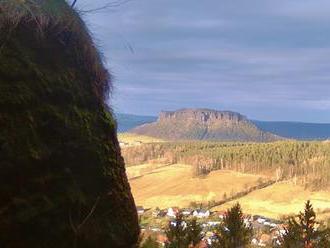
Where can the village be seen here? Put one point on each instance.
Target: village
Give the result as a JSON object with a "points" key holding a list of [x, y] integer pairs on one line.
{"points": [[267, 232]]}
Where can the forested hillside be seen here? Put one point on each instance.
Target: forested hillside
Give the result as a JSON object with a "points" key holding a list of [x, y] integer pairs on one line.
{"points": [[308, 163]]}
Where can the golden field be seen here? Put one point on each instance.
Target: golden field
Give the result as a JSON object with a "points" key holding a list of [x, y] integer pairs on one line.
{"points": [[155, 185], [174, 185], [282, 199], [159, 185], [132, 138]]}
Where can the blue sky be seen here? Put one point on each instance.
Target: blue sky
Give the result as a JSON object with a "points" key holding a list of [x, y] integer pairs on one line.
{"points": [[269, 60]]}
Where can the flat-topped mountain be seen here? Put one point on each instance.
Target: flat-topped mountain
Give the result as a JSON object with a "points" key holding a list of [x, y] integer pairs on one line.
{"points": [[204, 124]]}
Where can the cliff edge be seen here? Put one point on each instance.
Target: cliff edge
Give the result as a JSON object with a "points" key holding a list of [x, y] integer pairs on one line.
{"points": [[204, 124]]}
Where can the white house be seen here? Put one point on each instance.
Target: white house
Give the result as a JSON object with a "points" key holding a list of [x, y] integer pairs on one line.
{"points": [[261, 220], [186, 211], [213, 223], [183, 224], [140, 210], [172, 212], [200, 213]]}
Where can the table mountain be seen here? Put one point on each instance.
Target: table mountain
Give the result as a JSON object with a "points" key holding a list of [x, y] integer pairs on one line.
{"points": [[204, 124]]}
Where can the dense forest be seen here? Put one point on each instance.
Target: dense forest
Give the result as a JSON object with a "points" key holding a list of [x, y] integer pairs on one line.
{"points": [[307, 163]]}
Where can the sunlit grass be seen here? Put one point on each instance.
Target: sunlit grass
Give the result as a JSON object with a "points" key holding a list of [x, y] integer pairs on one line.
{"points": [[133, 138]]}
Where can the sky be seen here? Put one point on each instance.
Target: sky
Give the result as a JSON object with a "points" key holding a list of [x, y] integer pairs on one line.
{"points": [[267, 59]]}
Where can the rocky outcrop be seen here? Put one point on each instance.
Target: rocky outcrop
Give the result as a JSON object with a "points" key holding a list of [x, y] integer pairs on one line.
{"points": [[62, 176], [202, 115], [204, 124]]}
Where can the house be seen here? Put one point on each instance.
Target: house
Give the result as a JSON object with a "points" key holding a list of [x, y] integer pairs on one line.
{"points": [[123, 144], [265, 240], [213, 223], [254, 241], [155, 229], [172, 212], [261, 220], [140, 210], [210, 238], [247, 220], [183, 224], [281, 230], [221, 214], [159, 212], [162, 239], [256, 217], [186, 211], [201, 213]]}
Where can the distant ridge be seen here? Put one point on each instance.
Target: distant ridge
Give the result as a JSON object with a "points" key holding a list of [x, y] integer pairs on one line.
{"points": [[287, 129], [129, 121], [296, 130], [204, 124]]}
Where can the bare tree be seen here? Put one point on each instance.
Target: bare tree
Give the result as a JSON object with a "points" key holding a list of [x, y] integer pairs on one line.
{"points": [[73, 3], [113, 4]]}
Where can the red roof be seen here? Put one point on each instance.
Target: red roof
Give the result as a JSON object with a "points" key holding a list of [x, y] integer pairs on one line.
{"points": [[161, 238]]}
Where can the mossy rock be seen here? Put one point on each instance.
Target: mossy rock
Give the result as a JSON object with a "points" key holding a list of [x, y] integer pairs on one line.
{"points": [[63, 181]]}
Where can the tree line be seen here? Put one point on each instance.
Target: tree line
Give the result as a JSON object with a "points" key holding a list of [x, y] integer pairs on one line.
{"points": [[306, 162]]}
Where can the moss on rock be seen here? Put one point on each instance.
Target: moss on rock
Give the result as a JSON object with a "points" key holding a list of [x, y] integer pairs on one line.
{"points": [[63, 181]]}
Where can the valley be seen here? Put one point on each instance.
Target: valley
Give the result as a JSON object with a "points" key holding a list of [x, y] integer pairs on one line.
{"points": [[165, 176], [174, 186]]}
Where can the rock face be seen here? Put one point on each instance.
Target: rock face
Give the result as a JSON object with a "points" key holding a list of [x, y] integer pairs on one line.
{"points": [[63, 181], [204, 124]]}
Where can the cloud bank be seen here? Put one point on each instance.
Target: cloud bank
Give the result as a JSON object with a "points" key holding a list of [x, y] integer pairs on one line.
{"points": [[266, 59]]}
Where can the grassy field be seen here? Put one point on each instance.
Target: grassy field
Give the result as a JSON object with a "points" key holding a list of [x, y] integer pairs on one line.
{"points": [[159, 185], [282, 199], [174, 185], [133, 138], [155, 185]]}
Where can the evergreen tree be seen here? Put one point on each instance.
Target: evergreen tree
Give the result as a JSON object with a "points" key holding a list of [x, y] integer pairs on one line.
{"points": [[177, 233], [302, 231], [194, 232], [233, 232], [293, 234], [307, 222]]}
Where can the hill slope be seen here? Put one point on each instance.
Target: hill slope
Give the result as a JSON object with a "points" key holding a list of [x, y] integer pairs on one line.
{"points": [[178, 187], [204, 124]]}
